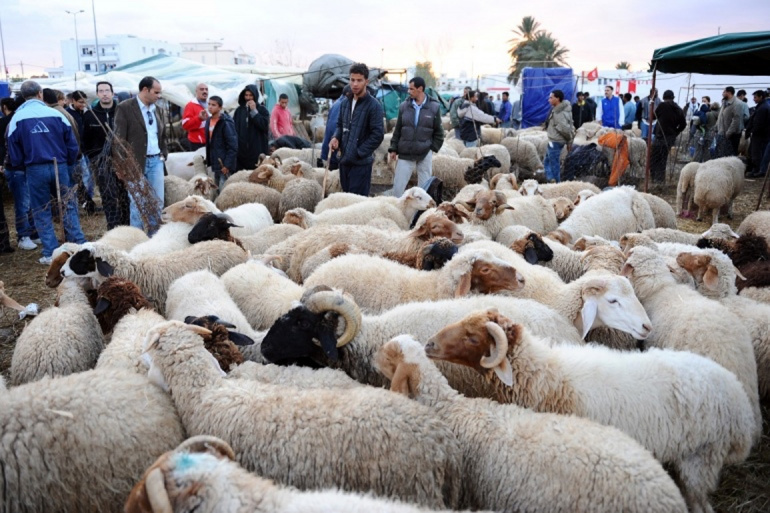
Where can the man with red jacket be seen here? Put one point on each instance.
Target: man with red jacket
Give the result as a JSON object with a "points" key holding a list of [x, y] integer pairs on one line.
{"points": [[194, 118]]}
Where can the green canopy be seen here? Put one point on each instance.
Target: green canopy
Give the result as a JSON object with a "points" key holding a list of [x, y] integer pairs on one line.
{"points": [[740, 53]]}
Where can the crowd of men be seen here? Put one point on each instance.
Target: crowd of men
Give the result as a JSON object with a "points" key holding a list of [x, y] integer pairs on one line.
{"points": [[55, 145]]}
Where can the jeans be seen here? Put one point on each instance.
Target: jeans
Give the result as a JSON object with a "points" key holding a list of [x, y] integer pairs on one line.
{"points": [[356, 179], [17, 182], [765, 161], [153, 172], [471, 144], [113, 192], [457, 133], [42, 186], [551, 162], [405, 168], [645, 127], [507, 124]]}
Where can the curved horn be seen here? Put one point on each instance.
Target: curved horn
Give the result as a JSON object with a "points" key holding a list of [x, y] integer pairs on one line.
{"points": [[204, 443], [155, 487], [501, 346], [334, 301]]}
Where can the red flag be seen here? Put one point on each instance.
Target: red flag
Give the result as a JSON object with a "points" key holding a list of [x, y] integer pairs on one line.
{"points": [[593, 75], [617, 87], [632, 86]]}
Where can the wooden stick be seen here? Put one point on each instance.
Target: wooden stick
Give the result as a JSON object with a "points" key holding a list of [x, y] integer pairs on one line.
{"points": [[58, 194]]}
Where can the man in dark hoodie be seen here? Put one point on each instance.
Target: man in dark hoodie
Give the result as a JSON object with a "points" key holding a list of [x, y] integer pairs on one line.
{"points": [[96, 123], [251, 124]]}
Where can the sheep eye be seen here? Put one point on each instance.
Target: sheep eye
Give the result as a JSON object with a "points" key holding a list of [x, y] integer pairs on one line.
{"points": [[612, 301], [472, 341]]}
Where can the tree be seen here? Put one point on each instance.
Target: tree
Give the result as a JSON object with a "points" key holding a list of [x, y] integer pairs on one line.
{"points": [[534, 48], [425, 70], [623, 65]]}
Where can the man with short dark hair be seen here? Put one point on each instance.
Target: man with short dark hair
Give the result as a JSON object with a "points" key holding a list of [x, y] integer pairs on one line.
{"points": [[758, 128], [591, 105], [560, 131], [417, 135], [629, 111], [360, 131], [221, 142], [609, 112], [194, 118], [38, 136], [670, 123], [506, 109], [280, 118], [97, 123], [643, 112], [729, 124], [581, 111], [140, 125]]}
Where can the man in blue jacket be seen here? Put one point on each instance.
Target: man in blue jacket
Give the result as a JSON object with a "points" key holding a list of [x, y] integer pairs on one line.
{"points": [[506, 109], [610, 112], [331, 128], [37, 135], [359, 132]]}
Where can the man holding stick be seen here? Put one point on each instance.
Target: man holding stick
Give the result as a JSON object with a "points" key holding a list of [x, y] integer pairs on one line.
{"points": [[41, 141]]}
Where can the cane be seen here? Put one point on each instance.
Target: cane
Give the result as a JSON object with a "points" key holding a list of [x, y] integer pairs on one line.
{"points": [[326, 172], [58, 192]]}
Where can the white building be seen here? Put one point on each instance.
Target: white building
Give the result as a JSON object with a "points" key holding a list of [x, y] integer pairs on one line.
{"points": [[492, 84], [113, 51]]}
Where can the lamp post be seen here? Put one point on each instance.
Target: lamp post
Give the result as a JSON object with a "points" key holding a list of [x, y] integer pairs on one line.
{"points": [[5, 66], [96, 38], [77, 43]]}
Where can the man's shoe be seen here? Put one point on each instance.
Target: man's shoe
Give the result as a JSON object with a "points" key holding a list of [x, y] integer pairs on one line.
{"points": [[45, 260], [26, 243], [37, 240]]}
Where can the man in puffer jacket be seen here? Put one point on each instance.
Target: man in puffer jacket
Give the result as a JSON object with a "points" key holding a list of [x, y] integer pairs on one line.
{"points": [[360, 130], [560, 130]]}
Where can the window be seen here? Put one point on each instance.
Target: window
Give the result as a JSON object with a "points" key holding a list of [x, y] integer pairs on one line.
{"points": [[144, 49], [88, 67]]}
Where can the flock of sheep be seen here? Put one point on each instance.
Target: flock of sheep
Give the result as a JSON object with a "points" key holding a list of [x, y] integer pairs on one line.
{"points": [[281, 346]]}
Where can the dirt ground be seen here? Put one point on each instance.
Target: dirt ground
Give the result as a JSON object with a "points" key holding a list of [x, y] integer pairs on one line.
{"points": [[743, 489]]}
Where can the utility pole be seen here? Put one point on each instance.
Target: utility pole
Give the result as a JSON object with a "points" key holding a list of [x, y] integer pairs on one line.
{"points": [[96, 38], [2, 43], [77, 43], [21, 64]]}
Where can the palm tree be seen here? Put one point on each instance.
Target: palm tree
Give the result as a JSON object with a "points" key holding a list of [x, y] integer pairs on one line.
{"points": [[623, 65], [542, 51]]}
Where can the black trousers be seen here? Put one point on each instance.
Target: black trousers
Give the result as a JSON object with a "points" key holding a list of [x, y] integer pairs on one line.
{"points": [[356, 179], [659, 159], [5, 240]]}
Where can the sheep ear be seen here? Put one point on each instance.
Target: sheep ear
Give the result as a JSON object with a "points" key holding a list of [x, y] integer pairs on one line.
{"points": [[239, 339], [464, 286], [587, 316], [157, 495], [627, 270], [278, 160], [401, 382], [261, 159], [504, 372], [329, 344], [711, 278], [530, 255], [104, 268], [101, 305]]}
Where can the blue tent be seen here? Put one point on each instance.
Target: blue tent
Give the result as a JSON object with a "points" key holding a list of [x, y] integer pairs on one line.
{"points": [[537, 84], [5, 89]]}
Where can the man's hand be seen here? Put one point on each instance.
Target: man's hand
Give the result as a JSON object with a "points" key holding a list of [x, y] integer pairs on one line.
{"points": [[334, 144], [202, 115], [225, 171], [251, 105], [393, 155]]}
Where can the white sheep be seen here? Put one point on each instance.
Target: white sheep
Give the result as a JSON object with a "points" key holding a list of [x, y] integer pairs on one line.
{"points": [[378, 284], [259, 243], [524, 156], [125, 345], [451, 170], [717, 184], [153, 274], [169, 237], [60, 341], [425, 468], [687, 410], [519, 460], [757, 223], [260, 292], [176, 189], [250, 217], [568, 189], [245, 192], [662, 213], [274, 178], [304, 154], [202, 467], [494, 211], [410, 202], [238, 177], [293, 376], [684, 320], [80, 442], [186, 164], [610, 215], [684, 189], [714, 276], [357, 213], [498, 150], [504, 182], [300, 193], [716, 231]]}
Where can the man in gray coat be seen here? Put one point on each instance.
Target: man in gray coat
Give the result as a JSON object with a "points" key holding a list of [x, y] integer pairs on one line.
{"points": [[417, 135], [141, 127], [729, 124], [560, 130]]}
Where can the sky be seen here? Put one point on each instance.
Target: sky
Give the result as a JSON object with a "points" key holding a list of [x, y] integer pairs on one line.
{"points": [[456, 36]]}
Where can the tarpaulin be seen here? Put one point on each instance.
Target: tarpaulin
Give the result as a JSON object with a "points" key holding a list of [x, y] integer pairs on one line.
{"points": [[537, 86]]}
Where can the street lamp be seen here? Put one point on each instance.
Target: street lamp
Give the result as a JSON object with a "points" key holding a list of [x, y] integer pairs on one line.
{"points": [[77, 43]]}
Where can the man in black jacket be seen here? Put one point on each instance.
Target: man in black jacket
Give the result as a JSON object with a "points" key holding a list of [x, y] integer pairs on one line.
{"points": [[758, 128], [417, 135], [671, 122], [221, 141], [359, 132], [251, 124], [96, 124]]}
